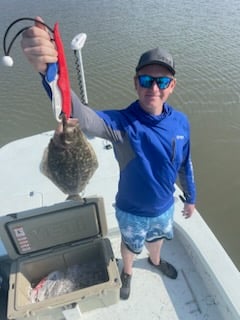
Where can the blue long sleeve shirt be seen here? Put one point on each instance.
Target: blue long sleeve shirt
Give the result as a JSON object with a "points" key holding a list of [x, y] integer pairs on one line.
{"points": [[151, 151]]}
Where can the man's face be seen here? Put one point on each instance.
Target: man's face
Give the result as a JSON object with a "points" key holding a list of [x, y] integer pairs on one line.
{"points": [[152, 99]]}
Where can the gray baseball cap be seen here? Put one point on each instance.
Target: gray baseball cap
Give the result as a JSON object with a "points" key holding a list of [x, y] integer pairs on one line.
{"points": [[157, 56]]}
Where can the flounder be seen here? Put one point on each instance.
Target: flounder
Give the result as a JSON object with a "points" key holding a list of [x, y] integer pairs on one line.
{"points": [[69, 161]]}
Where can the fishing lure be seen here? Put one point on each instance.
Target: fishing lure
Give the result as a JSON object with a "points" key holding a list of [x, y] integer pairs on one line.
{"points": [[57, 75]]}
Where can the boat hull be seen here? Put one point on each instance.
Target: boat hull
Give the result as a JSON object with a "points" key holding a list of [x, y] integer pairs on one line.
{"points": [[208, 282]]}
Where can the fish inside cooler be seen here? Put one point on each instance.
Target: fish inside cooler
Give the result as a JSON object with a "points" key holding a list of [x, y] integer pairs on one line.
{"points": [[56, 274]]}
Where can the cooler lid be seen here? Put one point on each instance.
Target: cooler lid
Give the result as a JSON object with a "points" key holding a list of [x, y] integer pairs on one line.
{"points": [[36, 230]]}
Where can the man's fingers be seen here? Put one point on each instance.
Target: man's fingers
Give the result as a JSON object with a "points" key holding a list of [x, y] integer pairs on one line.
{"points": [[186, 214], [40, 25], [40, 56], [38, 46], [35, 32]]}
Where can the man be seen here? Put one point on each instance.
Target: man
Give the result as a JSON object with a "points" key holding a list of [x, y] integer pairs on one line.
{"points": [[151, 142]]}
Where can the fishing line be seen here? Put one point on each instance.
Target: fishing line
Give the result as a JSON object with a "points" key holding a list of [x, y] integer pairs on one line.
{"points": [[7, 60]]}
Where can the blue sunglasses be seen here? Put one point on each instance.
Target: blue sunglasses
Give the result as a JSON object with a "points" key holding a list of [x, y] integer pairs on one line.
{"points": [[146, 81]]}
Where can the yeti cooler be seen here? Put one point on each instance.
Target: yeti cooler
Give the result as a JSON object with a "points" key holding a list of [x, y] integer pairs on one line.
{"points": [[55, 241]]}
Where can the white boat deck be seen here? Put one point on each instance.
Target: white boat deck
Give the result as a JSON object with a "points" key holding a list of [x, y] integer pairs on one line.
{"points": [[154, 296], [208, 282]]}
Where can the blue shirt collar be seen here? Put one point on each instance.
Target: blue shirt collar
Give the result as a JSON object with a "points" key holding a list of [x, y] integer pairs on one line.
{"points": [[148, 118]]}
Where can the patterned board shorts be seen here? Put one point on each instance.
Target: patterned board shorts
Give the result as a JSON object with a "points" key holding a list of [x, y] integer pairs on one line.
{"points": [[135, 230]]}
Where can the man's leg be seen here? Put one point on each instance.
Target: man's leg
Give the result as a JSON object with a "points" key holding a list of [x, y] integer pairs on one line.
{"points": [[160, 227], [133, 230], [126, 274], [155, 259], [154, 249], [128, 258]]}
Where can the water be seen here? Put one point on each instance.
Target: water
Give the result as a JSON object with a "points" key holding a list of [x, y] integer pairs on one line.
{"points": [[203, 37]]}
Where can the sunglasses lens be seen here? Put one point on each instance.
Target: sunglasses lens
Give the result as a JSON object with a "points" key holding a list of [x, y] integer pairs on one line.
{"points": [[163, 82], [147, 81]]}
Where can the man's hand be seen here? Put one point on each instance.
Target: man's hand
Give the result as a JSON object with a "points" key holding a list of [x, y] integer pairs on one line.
{"points": [[37, 46], [188, 210]]}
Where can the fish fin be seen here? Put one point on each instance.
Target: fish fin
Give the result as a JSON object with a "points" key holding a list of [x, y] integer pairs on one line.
{"points": [[75, 197]]}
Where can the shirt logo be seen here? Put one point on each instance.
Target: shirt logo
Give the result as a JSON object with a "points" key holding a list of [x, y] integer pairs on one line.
{"points": [[179, 137]]}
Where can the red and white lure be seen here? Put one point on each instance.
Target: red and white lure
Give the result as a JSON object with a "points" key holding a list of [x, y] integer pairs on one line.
{"points": [[56, 76]]}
